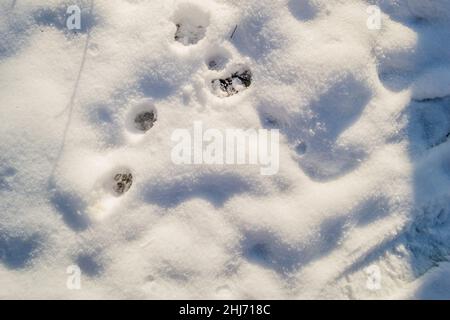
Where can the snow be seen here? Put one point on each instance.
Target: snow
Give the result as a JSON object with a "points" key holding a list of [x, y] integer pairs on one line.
{"points": [[363, 184]]}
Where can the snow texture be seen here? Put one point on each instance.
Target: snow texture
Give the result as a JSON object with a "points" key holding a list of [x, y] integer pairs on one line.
{"points": [[86, 177]]}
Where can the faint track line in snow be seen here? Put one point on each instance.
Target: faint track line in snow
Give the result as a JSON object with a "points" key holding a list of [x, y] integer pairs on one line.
{"points": [[70, 105]]}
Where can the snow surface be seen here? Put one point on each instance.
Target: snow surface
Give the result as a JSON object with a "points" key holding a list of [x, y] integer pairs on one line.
{"points": [[365, 163]]}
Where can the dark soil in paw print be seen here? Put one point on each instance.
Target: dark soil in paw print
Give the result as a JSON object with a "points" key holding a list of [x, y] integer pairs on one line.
{"points": [[123, 182], [144, 121], [301, 147], [237, 82], [192, 23]]}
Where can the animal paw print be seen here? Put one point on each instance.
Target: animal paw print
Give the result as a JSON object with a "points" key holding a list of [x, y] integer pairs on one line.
{"points": [[217, 63]]}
